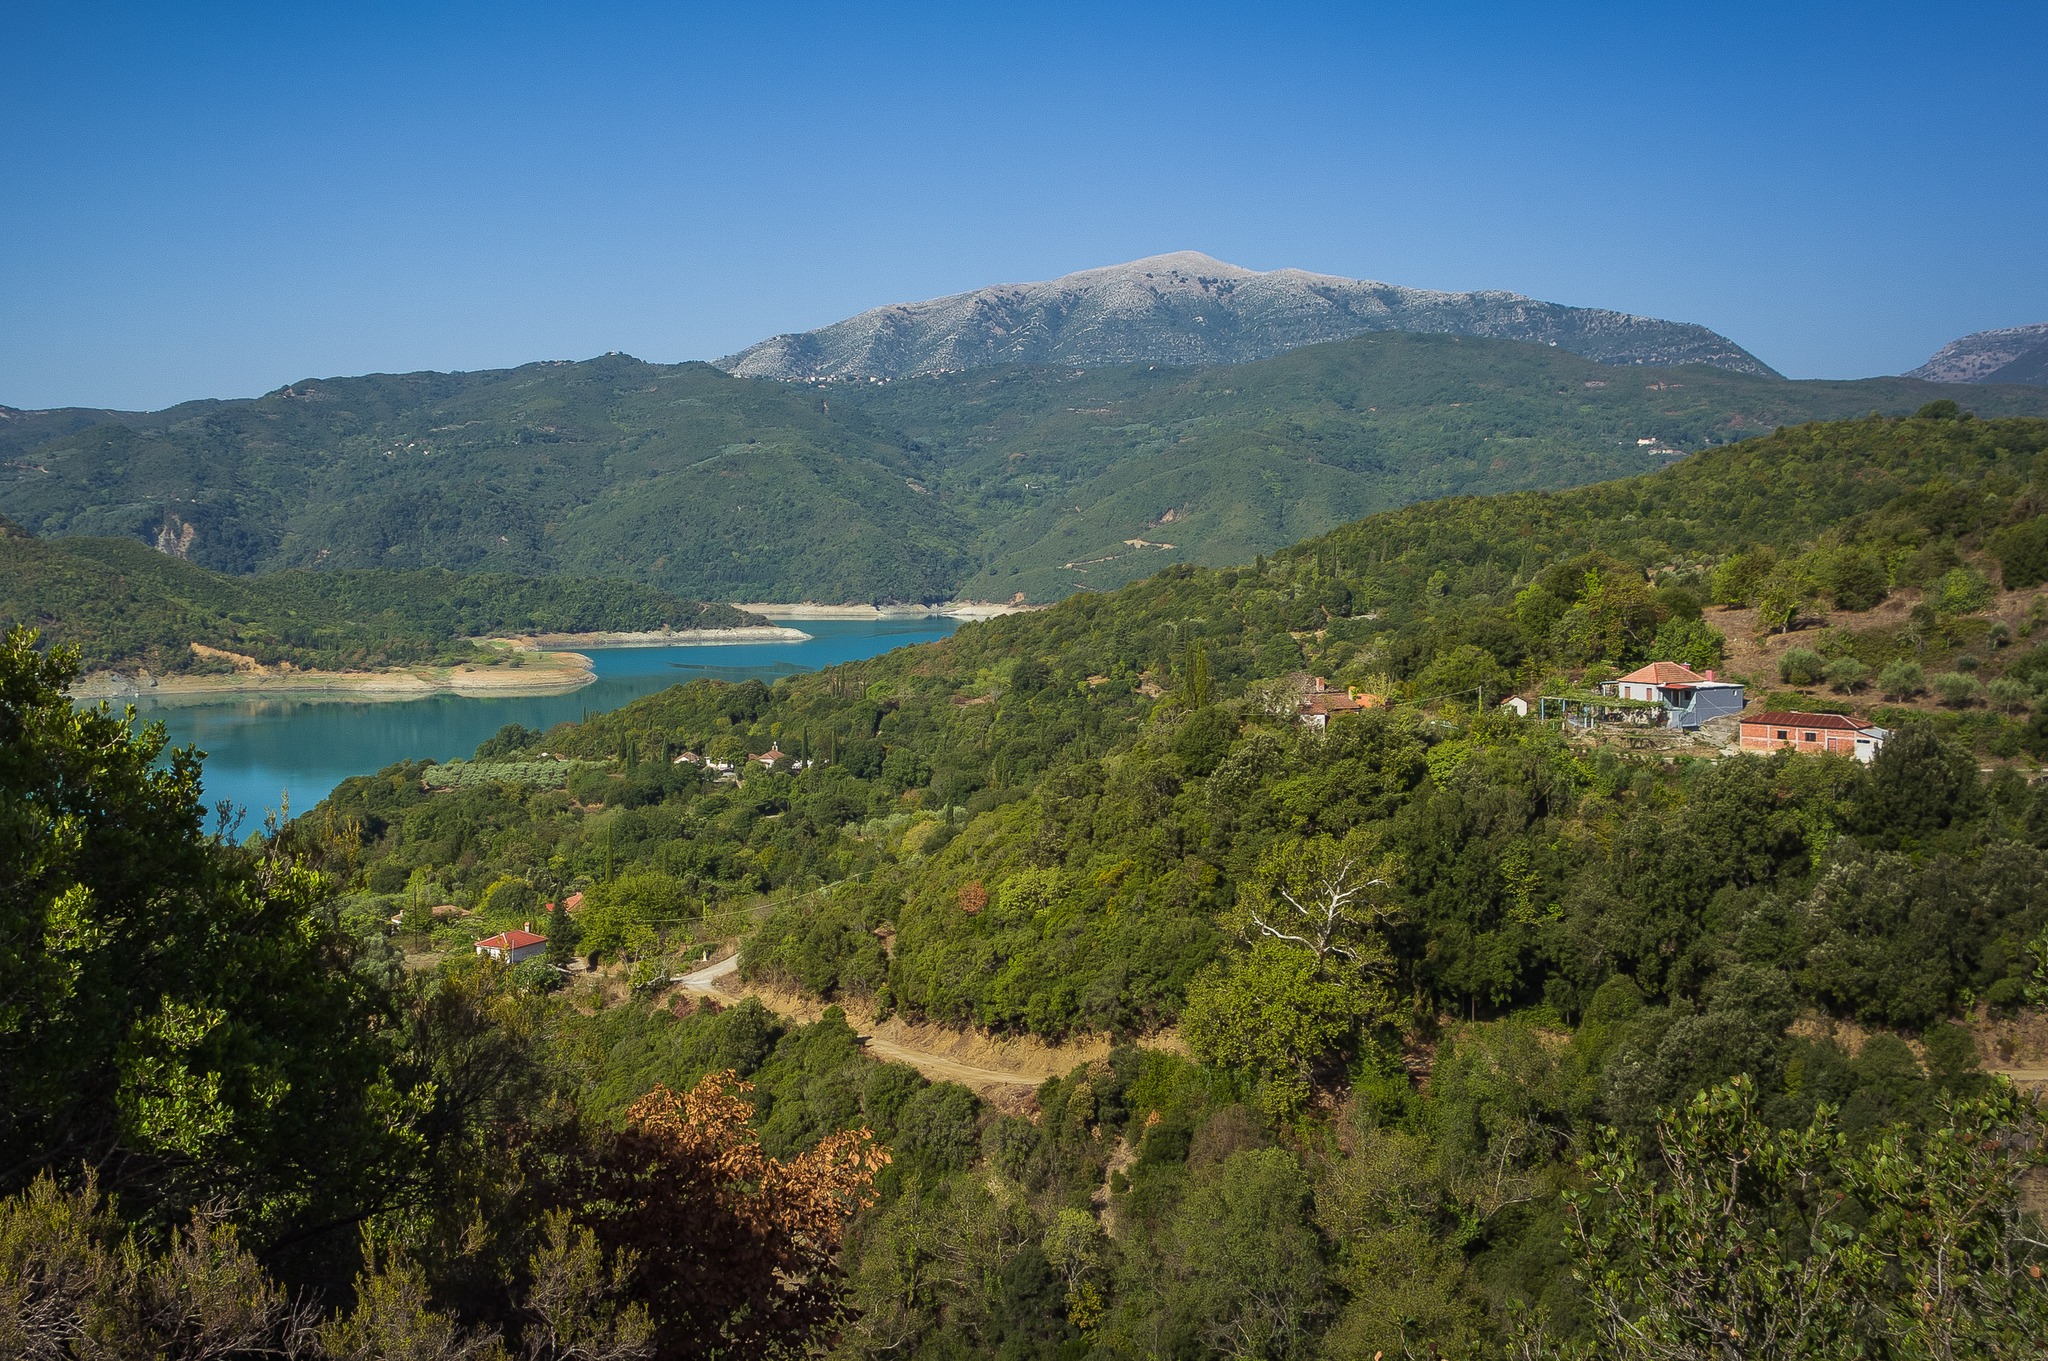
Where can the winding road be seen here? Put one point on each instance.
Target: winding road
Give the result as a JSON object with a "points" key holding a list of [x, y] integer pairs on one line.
{"points": [[710, 981]]}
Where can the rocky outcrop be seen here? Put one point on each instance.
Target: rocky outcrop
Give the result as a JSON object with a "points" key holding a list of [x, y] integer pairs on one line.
{"points": [[2016, 354]]}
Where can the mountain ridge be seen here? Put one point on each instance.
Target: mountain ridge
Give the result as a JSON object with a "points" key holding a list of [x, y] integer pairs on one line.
{"points": [[1034, 479], [2011, 354], [1186, 308]]}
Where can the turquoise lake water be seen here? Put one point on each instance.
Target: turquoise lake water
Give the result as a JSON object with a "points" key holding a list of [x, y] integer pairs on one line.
{"points": [[260, 751]]}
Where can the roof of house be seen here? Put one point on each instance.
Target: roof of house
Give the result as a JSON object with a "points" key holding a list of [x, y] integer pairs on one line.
{"points": [[514, 939], [1785, 718], [770, 756], [1665, 673]]}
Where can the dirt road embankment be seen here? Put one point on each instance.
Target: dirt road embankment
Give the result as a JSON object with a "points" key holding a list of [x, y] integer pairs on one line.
{"points": [[997, 1067]]}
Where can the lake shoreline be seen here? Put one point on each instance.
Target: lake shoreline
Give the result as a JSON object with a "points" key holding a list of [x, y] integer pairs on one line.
{"points": [[304, 737], [547, 665], [750, 633], [952, 609], [542, 673]]}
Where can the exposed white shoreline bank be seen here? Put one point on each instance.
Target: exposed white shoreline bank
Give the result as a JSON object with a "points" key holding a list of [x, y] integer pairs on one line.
{"points": [[952, 609], [752, 633], [559, 674], [550, 665]]}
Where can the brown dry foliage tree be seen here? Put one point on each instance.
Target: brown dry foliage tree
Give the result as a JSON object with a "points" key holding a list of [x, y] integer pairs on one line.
{"points": [[734, 1253]]}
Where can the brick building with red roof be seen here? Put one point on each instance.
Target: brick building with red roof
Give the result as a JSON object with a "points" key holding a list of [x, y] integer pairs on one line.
{"points": [[1838, 734]]}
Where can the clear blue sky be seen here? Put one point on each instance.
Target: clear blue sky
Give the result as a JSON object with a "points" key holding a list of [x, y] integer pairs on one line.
{"points": [[214, 200]]}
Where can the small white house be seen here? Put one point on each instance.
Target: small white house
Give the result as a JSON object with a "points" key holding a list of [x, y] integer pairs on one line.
{"points": [[510, 947], [1516, 705]]}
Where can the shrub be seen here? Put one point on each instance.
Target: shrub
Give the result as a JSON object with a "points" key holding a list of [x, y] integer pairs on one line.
{"points": [[1853, 578], [2022, 553], [1902, 680], [1961, 591], [1693, 641], [626, 914], [1846, 674], [1957, 690], [511, 738], [2010, 695], [1274, 1017], [1740, 580], [536, 975], [509, 896], [1801, 666]]}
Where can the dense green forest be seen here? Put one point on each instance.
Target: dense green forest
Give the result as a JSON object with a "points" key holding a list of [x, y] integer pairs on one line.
{"points": [[122, 604], [1490, 1043], [989, 483]]}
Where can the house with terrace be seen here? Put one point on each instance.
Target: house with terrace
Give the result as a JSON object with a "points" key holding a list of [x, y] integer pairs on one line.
{"points": [[1682, 698]]}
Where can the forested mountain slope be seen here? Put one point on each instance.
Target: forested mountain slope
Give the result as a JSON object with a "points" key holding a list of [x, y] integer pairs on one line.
{"points": [[1105, 816], [1247, 459], [1186, 308], [1492, 1044], [605, 468], [1033, 751], [124, 605], [985, 484]]}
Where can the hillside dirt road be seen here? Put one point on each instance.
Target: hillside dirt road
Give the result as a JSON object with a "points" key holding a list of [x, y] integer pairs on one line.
{"points": [[997, 1068]]}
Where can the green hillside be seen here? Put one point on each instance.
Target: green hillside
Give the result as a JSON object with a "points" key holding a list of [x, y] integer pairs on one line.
{"points": [[606, 468], [983, 484], [1267, 454], [1012, 721], [1076, 821], [123, 604], [1489, 1043]]}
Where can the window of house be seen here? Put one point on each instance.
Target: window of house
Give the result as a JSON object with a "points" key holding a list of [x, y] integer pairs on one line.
{"points": [[1783, 735], [1813, 737]]}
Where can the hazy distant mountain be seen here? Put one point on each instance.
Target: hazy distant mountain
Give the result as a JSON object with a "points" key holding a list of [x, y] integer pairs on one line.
{"points": [[1187, 308], [2017, 354]]}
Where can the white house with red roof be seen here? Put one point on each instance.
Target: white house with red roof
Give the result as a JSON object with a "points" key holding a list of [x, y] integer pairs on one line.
{"points": [[511, 947], [1689, 697]]}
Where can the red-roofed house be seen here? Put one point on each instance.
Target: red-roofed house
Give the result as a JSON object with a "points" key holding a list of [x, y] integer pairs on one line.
{"points": [[1689, 698], [1319, 702], [1836, 733], [1651, 681], [510, 947]]}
